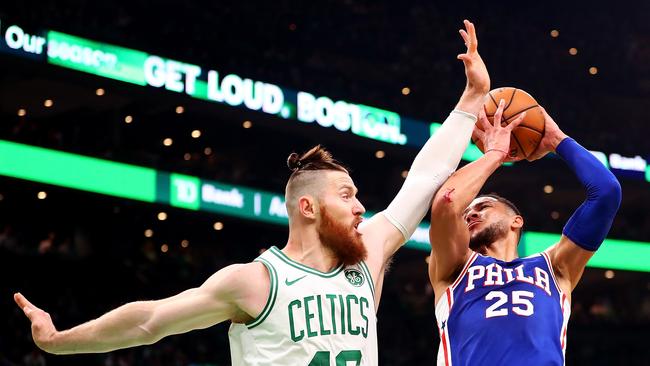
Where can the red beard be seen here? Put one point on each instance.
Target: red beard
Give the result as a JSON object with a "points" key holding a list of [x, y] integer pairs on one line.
{"points": [[343, 240]]}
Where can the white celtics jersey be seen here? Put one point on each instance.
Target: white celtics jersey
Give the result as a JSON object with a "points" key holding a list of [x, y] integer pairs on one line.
{"points": [[311, 318]]}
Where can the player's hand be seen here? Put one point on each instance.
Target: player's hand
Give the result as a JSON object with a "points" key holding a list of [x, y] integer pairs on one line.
{"points": [[478, 79], [552, 137], [495, 136], [43, 330]]}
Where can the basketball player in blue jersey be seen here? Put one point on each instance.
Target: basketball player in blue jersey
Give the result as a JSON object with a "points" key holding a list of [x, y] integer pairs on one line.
{"points": [[492, 307], [314, 301]]}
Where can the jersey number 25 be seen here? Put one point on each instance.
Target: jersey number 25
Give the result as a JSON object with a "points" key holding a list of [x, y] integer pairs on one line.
{"points": [[521, 304]]}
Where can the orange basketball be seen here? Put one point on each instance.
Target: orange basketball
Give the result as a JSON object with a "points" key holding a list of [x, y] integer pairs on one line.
{"points": [[526, 137]]}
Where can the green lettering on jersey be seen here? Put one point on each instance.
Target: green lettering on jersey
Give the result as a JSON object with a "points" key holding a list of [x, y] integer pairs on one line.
{"points": [[332, 297], [292, 323], [355, 330], [364, 329], [323, 331], [308, 317], [342, 314]]}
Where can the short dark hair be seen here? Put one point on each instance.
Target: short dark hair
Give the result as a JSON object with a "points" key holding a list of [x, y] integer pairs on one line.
{"points": [[503, 200]]}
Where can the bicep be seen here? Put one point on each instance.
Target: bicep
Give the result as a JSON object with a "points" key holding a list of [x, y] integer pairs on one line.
{"points": [[213, 302], [382, 239], [383, 236], [569, 261], [449, 239]]}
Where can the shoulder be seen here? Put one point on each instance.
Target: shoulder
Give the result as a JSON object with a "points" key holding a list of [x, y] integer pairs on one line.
{"points": [[239, 278], [246, 286]]}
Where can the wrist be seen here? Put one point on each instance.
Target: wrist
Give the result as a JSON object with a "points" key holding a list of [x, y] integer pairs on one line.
{"points": [[556, 139], [50, 343], [497, 155], [471, 101]]}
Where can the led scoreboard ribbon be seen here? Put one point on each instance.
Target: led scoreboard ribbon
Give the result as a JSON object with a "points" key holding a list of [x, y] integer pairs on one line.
{"points": [[193, 193], [141, 68]]}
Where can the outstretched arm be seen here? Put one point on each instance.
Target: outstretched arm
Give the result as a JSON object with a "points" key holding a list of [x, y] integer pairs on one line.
{"points": [[588, 226], [448, 234], [434, 163], [145, 322]]}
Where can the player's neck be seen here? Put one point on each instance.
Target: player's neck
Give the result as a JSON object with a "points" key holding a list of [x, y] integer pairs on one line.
{"points": [[504, 249], [304, 246]]}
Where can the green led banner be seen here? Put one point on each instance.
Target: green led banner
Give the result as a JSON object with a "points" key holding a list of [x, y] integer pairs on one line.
{"points": [[76, 171], [96, 58], [615, 254], [196, 194], [144, 69], [193, 193]]}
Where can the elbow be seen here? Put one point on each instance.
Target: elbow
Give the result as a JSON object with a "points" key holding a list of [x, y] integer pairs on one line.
{"points": [[611, 195], [606, 193], [148, 335], [444, 205]]}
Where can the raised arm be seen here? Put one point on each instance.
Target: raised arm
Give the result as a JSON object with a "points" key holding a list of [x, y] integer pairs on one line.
{"points": [[146, 322], [432, 166], [588, 226], [448, 234]]}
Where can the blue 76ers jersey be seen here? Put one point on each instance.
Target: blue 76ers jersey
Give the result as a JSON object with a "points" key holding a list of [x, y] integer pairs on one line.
{"points": [[503, 313]]}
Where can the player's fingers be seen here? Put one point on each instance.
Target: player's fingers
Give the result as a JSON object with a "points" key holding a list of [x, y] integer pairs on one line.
{"points": [[22, 300], [467, 60], [499, 112], [477, 134], [483, 121], [544, 112], [24, 304], [465, 36], [472, 35], [512, 159], [520, 118]]}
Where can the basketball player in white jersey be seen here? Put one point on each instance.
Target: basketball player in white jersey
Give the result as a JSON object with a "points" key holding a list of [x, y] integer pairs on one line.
{"points": [[314, 301]]}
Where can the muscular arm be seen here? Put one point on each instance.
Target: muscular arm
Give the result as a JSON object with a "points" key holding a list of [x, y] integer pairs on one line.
{"points": [[432, 166], [588, 226], [385, 232], [145, 322], [448, 233]]}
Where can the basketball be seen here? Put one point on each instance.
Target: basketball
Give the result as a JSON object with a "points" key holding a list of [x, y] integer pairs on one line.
{"points": [[526, 137]]}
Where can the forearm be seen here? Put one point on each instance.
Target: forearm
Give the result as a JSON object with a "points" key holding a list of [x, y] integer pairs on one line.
{"points": [[471, 101], [591, 222], [464, 185], [432, 166], [120, 328]]}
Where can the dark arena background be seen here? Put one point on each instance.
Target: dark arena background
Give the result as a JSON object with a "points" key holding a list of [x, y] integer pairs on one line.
{"points": [[135, 162]]}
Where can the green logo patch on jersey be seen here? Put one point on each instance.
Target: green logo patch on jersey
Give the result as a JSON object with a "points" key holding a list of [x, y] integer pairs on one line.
{"points": [[354, 277]]}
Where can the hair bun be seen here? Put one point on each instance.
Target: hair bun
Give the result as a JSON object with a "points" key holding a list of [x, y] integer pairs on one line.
{"points": [[293, 161]]}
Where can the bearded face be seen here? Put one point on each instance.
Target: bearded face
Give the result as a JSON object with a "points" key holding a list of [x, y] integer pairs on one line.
{"points": [[341, 238], [487, 236]]}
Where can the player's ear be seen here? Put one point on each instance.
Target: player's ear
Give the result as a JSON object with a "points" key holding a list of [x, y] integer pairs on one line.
{"points": [[307, 206], [517, 222]]}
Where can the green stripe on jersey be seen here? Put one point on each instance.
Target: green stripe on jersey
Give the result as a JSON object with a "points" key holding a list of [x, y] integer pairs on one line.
{"points": [[273, 294], [283, 257], [365, 268]]}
